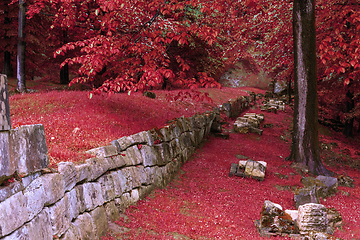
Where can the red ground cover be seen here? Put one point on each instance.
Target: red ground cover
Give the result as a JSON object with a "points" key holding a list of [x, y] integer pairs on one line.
{"points": [[203, 202]]}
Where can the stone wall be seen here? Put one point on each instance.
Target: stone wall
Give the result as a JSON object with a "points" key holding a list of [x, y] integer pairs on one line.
{"points": [[77, 201]]}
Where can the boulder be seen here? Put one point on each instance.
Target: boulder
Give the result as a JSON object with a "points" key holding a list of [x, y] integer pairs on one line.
{"points": [[312, 217]]}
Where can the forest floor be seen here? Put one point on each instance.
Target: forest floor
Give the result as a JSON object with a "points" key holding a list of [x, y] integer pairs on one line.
{"points": [[202, 201]]}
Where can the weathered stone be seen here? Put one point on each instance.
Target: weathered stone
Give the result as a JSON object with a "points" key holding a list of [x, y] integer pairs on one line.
{"points": [[97, 167], [72, 233], [133, 156], [29, 178], [145, 190], [142, 175], [35, 197], [185, 139], [86, 227], [90, 195], [255, 169], [8, 191], [112, 211], [100, 221], [306, 195], [255, 130], [122, 143], [103, 152], [268, 213], [167, 133], [7, 164], [116, 161], [107, 187], [5, 122], [59, 214], [28, 148], [74, 204], [312, 217], [132, 175], [83, 172], [127, 199], [13, 213], [120, 183], [233, 169], [53, 184], [331, 184], [163, 152], [68, 172], [149, 155], [293, 213]]}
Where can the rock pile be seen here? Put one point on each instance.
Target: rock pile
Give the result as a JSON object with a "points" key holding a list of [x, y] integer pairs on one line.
{"points": [[273, 105], [250, 122], [310, 221], [249, 168]]}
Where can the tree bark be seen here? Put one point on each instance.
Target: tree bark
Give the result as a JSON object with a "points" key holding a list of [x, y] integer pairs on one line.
{"points": [[21, 83], [7, 70], [350, 104], [64, 71], [305, 139]]}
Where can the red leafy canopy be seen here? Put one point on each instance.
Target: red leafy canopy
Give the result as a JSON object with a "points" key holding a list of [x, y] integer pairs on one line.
{"points": [[137, 45]]}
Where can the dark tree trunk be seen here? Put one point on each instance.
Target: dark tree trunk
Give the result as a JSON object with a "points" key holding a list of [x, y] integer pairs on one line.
{"points": [[305, 140], [21, 86], [7, 70], [64, 71], [64, 75], [350, 104]]}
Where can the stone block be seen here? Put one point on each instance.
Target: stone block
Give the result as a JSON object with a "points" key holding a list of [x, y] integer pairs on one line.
{"points": [[107, 187], [112, 211], [59, 214], [306, 195], [145, 190], [116, 161], [255, 169], [132, 175], [120, 183], [53, 186], [175, 146], [139, 138], [149, 155], [28, 148], [312, 217], [13, 213], [331, 184], [35, 197], [29, 178], [8, 191], [100, 221], [74, 204], [233, 169], [72, 233], [163, 153], [134, 156], [127, 199], [5, 122], [7, 164], [122, 143], [97, 167], [37, 228], [68, 172], [85, 225], [82, 172], [103, 152], [90, 195], [167, 133]]}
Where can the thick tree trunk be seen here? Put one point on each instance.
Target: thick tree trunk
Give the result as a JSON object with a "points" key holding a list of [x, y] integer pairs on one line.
{"points": [[305, 139], [21, 86], [7, 70]]}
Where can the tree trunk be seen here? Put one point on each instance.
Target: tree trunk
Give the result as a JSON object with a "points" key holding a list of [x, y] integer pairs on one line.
{"points": [[64, 75], [21, 86], [350, 104], [7, 70], [305, 140]]}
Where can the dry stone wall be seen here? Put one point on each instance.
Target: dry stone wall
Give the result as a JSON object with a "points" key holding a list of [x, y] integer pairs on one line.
{"points": [[76, 201]]}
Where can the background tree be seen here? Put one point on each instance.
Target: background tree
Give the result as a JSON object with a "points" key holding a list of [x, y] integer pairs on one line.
{"points": [[21, 86], [305, 139]]}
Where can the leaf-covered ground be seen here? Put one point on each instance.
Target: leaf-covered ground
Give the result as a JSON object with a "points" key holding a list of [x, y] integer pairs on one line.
{"points": [[202, 202]]}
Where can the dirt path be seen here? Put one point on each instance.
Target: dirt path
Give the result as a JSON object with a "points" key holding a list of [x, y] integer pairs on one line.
{"points": [[203, 202]]}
